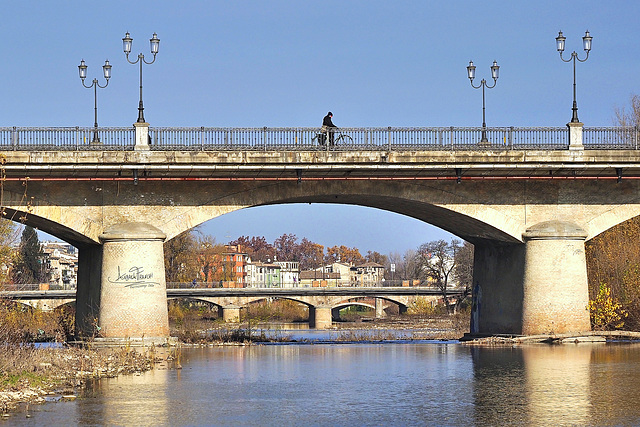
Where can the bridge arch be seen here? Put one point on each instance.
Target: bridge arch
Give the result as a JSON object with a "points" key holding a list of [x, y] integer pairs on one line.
{"points": [[460, 212], [58, 221], [611, 218]]}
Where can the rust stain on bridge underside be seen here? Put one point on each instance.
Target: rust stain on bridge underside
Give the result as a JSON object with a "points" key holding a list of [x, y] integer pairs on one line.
{"points": [[332, 178]]}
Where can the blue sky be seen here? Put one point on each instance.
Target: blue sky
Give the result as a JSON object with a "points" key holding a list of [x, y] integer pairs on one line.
{"points": [[286, 63]]}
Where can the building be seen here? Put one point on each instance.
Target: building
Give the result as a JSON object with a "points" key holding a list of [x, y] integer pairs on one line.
{"points": [[368, 274], [263, 275], [60, 261], [234, 265], [289, 273], [344, 273], [318, 278]]}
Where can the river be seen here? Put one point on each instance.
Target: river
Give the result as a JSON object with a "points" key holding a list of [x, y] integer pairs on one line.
{"points": [[367, 384]]}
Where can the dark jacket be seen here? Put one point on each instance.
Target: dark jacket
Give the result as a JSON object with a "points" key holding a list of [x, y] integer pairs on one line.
{"points": [[327, 122]]}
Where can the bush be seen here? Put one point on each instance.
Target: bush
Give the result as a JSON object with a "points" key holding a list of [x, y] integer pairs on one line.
{"points": [[424, 307], [24, 324], [281, 310], [606, 312]]}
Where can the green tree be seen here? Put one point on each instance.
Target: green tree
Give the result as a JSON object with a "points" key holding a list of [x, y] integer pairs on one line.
{"points": [[28, 267]]}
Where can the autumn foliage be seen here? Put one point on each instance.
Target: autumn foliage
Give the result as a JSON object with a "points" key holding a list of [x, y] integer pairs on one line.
{"points": [[606, 312], [613, 266]]}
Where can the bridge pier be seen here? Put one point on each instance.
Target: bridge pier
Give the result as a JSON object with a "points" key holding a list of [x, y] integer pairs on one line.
{"points": [[88, 292], [380, 314], [556, 290], [320, 317], [133, 295], [538, 287], [231, 313]]}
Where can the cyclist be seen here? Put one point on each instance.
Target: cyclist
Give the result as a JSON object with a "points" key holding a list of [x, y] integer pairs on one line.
{"points": [[328, 126]]}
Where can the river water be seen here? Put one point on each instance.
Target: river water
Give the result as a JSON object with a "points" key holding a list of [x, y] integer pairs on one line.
{"points": [[367, 384]]}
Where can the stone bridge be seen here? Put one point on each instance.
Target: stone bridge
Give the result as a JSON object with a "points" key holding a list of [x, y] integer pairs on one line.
{"points": [[323, 307], [527, 208], [324, 304]]}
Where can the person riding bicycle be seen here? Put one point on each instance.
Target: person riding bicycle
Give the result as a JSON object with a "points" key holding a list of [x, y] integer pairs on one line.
{"points": [[328, 127]]}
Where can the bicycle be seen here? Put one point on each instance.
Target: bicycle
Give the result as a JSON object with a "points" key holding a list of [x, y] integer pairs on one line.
{"points": [[342, 138]]}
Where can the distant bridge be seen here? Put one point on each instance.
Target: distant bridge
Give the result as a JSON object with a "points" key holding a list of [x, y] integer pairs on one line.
{"points": [[323, 303]]}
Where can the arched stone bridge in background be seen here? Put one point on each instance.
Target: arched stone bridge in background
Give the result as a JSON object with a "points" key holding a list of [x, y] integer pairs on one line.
{"points": [[324, 304], [528, 201]]}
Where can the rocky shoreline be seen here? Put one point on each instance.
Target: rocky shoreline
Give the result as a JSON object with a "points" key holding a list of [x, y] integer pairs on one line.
{"points": [[34, 375]]}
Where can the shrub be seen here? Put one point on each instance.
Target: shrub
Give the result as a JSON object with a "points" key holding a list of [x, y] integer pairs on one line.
{"points": [[606, 312]]}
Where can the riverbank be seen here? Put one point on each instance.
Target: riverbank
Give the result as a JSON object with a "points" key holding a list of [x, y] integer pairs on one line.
{"points": [[390, 328], [30, 375]]}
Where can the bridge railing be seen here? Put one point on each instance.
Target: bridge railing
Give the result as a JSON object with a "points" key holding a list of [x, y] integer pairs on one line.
{"points": [[347, 139], [66, 138], [304, 139], [380, 284], [32, 287], [611, 138]]}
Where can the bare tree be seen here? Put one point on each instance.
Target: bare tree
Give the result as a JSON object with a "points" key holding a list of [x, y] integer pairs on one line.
{"points": [[463, 270], [181, 257], [410, 267], [438, 264], [629, 117]]}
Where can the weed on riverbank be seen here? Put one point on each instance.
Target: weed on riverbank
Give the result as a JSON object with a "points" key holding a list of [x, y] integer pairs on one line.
{"points": [[28, 374]]}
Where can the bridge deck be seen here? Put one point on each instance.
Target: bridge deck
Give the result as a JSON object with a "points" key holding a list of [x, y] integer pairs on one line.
{"points": [[251, 292]]}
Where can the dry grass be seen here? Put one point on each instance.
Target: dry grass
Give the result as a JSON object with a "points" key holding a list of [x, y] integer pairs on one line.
{"points": [[28, 373], [20, 324]]}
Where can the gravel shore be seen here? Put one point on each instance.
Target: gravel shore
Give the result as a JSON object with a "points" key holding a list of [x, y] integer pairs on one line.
{"points": [[31, 375]]}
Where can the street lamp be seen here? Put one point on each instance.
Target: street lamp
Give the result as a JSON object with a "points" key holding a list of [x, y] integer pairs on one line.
{"points": [[126, 46], [82, 70], [471, 72], [586, 44]]}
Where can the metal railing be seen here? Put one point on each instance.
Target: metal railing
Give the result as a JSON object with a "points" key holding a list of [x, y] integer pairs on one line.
{"points": [[10, 287], [66, 139], [611, 138], [306, 139], [351, 139], [381, 284]]}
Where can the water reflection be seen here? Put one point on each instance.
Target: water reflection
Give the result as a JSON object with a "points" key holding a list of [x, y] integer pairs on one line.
{"points": [[370, 384], [559, 385], [614, 378], [132, 400]]}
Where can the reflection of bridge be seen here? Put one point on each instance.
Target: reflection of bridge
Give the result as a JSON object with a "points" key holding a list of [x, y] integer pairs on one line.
{"points": [[323, 303], [528, 201]]}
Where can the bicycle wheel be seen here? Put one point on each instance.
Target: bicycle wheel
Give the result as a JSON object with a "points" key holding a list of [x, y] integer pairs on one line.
{"points": [[344, 139]]}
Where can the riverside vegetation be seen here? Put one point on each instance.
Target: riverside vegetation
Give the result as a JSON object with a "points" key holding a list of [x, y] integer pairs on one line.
{"points": [[31, 372]]}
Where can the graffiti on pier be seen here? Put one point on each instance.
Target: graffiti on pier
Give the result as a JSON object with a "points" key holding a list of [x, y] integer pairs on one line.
{"points": [[134, 278]]}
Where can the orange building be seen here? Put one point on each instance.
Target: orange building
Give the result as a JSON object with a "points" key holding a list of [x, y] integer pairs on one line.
{"points": [[234, 265]]}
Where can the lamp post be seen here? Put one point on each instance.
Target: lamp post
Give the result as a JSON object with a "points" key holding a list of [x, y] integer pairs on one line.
{"points": [[82, 70], [586, 44], [471, 73], [126, 46]]}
